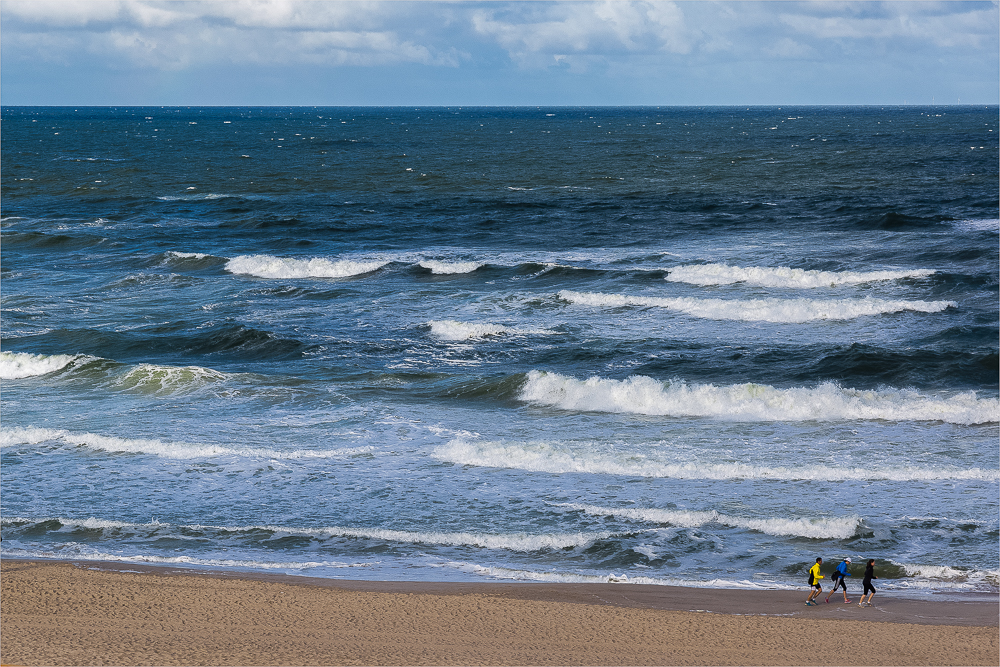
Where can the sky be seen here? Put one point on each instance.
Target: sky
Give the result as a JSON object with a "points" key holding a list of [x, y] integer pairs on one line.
{"points": [[563, 53]]}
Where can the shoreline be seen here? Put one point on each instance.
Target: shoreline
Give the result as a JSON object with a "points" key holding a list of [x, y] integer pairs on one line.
{"points": [[976, 610], [84, 612]]}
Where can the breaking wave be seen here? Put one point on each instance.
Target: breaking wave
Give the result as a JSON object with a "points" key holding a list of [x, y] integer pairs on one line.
{"points": [[17, 365], [522, 542], [840, 528], [781, 276], [161, 380], [171, 450], [559, 458], [447, 268], [454, 330], [267, 266], [753, 402], [783, 311]]}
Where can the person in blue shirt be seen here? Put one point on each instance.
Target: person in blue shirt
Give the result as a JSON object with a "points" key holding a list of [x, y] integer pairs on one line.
{"points": [[838, 579]]}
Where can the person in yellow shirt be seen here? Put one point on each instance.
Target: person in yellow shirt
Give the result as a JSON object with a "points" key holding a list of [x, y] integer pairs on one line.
{"points": [[814, 577]]}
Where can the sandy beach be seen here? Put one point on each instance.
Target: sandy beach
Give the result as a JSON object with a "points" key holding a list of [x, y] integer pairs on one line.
{"points": [[64, 613]]}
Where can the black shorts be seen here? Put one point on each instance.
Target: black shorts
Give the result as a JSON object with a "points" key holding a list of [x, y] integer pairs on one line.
{"points": [[817, 586], [868, 587]]}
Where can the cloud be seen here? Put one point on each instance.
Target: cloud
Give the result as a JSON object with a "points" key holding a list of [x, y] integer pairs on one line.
{"points": [[948, 24], [585, 28], [175, 35], [637, 50], [172, 33]]}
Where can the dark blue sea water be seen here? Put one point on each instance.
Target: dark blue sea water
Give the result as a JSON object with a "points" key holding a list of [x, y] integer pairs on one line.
{"points": [[692, 346]]}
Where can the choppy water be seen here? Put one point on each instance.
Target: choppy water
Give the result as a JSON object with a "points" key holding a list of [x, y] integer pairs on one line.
{"points": [[674, 345]]}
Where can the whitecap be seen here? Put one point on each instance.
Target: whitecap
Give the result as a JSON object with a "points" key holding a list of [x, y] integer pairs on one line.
{"points": [[979, 225], [753, 402], [840, 528], [453, 330], [523, 542], [267, 266], [161, 380], [783, 277], [187, 255], [559, 458], [783, 311], [10, 437], [497, 572], [194, 197], [447, 268], [17, 365]]}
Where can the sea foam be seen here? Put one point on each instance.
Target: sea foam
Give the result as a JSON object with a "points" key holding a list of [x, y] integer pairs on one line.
{"points": [[523, 542], [267, 266], [495, 572], [17, 365], [782, 311], [171, 450], [163, 380], [840, 528], [559, 458], [453, 330], [446, 268], [753, 402], [781, 276]]}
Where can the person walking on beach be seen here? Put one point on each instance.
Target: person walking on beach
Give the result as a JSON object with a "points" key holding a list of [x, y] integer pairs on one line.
{"points": [[867, 581], [814, 577], [838, 579]]}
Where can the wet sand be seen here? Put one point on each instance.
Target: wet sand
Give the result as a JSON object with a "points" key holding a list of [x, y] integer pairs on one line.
{"points": [[65, 613]]}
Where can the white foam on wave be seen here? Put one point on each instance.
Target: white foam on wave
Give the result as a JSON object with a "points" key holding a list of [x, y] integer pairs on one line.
{"points": [[454, 330], [447, 268], [187, 255], [17, 365], [523, 542], [753, 402], [495, 572], [979, 225], [780, 311], [944, 577], [83, 553], [932, 571], [195, 197], [782, 276], [11, 437], [267, 266], [560, 458], [840, 528], [161, 380]]}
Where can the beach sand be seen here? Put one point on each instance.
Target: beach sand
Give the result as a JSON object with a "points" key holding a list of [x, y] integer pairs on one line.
{"points": [[65, 613]]}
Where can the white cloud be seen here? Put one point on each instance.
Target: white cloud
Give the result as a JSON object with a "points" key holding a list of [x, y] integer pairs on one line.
{"points": [[634, 48], [172, 35], [585, 28], [942, 24]]}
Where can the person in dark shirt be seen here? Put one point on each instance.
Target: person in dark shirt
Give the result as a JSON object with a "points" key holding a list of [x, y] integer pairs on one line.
{"points": [[867, 581]]}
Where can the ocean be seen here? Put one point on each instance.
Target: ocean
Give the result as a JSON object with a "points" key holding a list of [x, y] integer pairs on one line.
{"points": [[664, 345]]}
